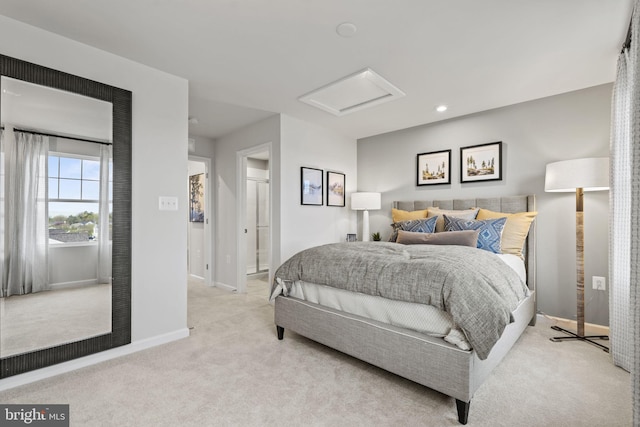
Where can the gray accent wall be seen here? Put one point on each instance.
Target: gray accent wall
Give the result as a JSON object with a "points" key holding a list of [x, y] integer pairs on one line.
{"points": [[562, 127]]}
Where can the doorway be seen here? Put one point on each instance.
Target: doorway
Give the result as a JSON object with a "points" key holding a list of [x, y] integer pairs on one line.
{"points": [[254, 211], [257, 216], [198, 231]]}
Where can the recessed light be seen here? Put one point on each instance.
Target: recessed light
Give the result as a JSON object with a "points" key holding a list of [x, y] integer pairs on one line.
{"points": [[441, 108], [346, 29]]}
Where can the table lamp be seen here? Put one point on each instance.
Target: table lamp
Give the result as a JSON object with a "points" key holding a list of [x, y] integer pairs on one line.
{"points": [[365, 202]]}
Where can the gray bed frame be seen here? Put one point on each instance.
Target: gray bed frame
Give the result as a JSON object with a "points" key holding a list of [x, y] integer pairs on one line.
{"points": [[429, 361]]}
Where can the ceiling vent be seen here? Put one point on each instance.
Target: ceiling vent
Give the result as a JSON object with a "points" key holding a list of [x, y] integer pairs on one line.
{"points": [[358, 91]]}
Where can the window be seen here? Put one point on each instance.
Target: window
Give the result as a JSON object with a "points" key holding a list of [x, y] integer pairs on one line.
{"points": [[74, 196]]}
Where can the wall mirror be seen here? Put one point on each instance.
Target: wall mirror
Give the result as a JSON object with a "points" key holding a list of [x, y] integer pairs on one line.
{"points": [[65, 204]]}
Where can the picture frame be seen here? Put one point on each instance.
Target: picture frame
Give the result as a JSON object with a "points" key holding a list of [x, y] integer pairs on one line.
{"points": [[433, 168], [311, 191], [196, 198], [481, 162], [335, 189]]}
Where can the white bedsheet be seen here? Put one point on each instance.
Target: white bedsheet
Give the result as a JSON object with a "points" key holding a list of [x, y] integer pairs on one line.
{"points": [[418, 317]]}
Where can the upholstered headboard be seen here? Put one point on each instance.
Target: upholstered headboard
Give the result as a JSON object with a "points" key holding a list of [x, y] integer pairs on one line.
{"points": [[511, 204]]}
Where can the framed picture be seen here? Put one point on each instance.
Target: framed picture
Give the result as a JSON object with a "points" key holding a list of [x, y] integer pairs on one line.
{"points": [[311, 186], [335, 189], [196, 198], [481, 162], [433, 168]]}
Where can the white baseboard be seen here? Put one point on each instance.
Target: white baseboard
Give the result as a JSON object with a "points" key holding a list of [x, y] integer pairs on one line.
{"points": [[225, 287], [92, 359], [76, 284], [590, 328]]}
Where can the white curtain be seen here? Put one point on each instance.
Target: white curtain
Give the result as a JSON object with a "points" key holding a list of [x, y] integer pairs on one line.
{"points": [[624, 239], [25, 232], [620, 215], [635, 211], [104, 241]]}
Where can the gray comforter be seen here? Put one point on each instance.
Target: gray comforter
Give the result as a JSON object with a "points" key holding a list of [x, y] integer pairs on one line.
{"points": [[474, 286]]}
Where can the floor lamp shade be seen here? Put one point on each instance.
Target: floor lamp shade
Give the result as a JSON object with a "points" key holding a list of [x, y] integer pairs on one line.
{"points": [[365, 202], [579, 175], [590, 174]]}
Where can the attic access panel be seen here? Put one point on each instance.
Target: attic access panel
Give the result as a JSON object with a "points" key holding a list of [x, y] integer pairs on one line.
{"points": [[353, 93]]}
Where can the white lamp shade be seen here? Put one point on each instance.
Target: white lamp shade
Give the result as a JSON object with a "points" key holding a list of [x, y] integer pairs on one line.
{"points": [[590, 174], [365, 201]]}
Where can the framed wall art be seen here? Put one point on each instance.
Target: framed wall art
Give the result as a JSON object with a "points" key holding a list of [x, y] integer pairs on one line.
{"points": [[196, 198], [433, 168], [311, 186], [481, 162], [335, 188]]}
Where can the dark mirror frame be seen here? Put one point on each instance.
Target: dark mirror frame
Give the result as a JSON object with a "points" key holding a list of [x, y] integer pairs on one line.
{"points": [[120, 100]]}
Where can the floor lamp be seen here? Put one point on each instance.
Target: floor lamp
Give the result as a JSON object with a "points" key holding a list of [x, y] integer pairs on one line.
{"points": [[579, 175], [365, 202]]}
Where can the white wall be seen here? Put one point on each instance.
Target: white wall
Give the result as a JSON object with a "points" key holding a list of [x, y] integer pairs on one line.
{"points": [[159, 155], [304, 144], [69, 264], [295, 143], [535, 133], [226, 215]]}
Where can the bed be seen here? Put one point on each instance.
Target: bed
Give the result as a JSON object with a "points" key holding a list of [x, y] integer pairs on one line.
{"points": [[428, 359]]}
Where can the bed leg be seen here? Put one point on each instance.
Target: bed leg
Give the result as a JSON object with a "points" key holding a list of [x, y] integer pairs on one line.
{"points": [[280, 330], [463, 411]]}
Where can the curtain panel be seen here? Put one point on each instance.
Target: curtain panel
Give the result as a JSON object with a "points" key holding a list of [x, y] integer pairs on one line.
{"points": [[620, 215], [624, 237], [104, 241], [634, 258], [25, 231]]}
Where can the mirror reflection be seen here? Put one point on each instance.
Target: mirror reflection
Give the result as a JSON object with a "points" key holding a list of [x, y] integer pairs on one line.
{"points": [[56, 204]]}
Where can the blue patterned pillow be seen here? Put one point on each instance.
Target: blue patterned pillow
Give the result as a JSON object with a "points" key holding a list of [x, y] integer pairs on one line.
{"points": [[423, 225], [490, 230]]}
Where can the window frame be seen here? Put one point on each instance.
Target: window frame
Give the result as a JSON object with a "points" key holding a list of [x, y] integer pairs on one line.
{"points": [[70, 155]]}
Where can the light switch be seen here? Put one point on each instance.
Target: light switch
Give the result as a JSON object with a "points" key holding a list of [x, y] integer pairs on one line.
{"points": [[167, 203]]}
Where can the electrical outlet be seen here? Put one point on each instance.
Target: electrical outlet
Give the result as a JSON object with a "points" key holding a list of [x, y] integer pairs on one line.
{"points": [[599, 283]]}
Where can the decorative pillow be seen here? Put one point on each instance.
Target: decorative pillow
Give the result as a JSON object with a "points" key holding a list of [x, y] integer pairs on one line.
{"points": [[398, 215], [490, 230], [437, 212], [515, 230], [425, 225], [458, 238]]}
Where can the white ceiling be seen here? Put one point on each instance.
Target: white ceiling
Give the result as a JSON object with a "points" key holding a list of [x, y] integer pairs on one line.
{"points": [[34, 107], [248, 59]]}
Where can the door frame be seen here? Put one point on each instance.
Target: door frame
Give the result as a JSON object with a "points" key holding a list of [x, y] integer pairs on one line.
{"points": [[241, 210], [208, 211]]}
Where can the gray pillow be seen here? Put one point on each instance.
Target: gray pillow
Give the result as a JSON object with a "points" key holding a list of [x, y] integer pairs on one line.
{"points": [[458, 238], [422, 225]]}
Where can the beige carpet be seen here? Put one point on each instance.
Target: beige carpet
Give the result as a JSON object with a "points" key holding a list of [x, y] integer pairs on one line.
{"points": [[233, 371], [49, 318]]}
